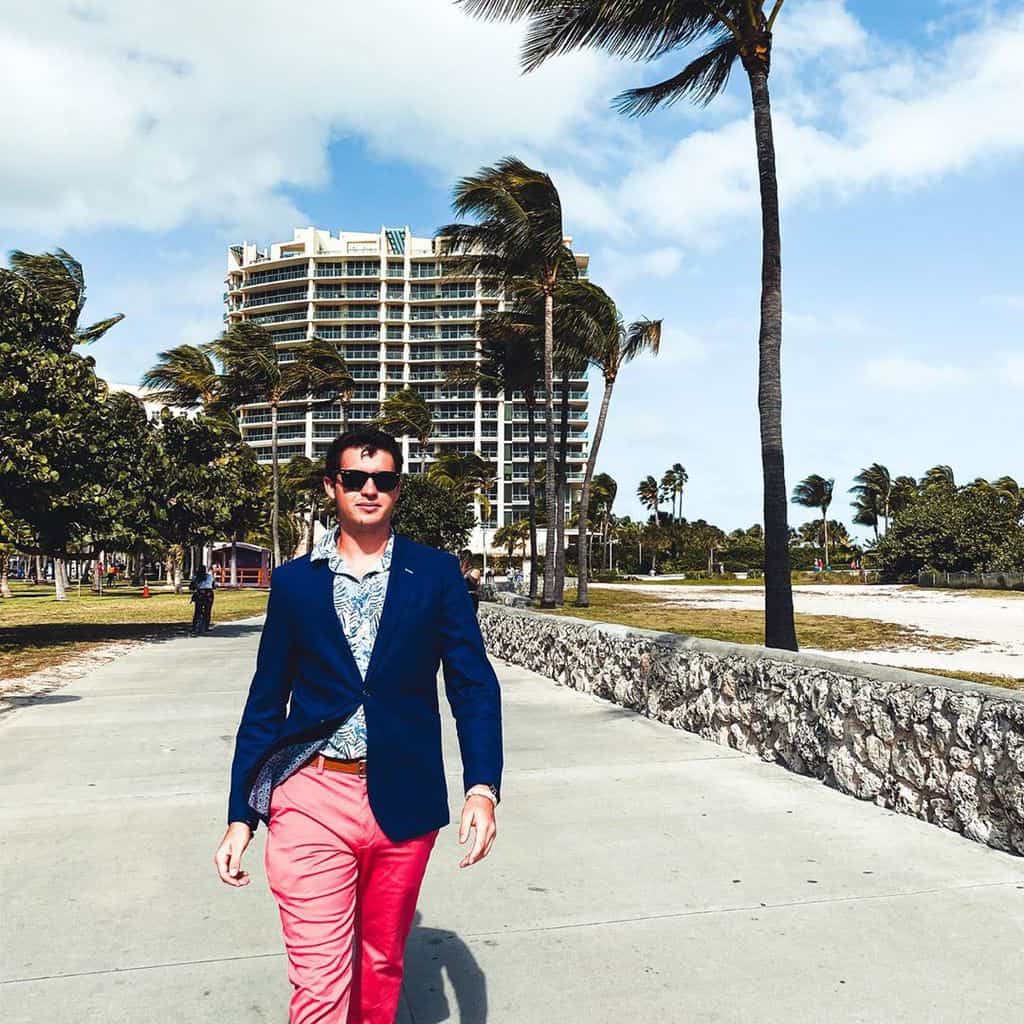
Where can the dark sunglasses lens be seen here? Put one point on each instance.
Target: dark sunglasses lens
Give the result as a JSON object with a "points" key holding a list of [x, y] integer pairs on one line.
{"points": [[353, 479], [385, 481]]}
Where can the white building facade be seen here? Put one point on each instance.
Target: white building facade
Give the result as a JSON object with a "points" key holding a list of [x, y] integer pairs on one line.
{"points": [[401, 320]]}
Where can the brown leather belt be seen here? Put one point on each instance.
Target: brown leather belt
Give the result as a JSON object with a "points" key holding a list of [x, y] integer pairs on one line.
{"points": [[334, 764]]}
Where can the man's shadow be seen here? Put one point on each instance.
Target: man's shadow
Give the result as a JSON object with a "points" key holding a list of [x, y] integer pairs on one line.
{"points": [[431, 953]]}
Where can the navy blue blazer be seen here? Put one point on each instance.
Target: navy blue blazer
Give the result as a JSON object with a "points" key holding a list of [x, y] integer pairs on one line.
{"points": [[305, 662]]}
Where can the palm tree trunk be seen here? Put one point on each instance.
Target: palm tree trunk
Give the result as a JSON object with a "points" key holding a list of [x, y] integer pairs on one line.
{"points": [[312, 524], [548, 597], [275, 476], [234, 561], [531, 487], [563, 491], [824, 523], [780, 629], [5, 583], [582, 600]]}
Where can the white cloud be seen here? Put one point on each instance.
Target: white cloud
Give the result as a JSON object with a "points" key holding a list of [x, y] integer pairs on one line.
{"points": [[819, 27], [152, 115], [903, 373]]}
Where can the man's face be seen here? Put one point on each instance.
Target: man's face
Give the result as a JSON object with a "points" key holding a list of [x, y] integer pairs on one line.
{"points": [[367, 508]]}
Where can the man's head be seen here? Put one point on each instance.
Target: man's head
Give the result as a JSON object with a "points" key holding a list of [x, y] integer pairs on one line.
{"points": [[362, 502], [201, 569]]}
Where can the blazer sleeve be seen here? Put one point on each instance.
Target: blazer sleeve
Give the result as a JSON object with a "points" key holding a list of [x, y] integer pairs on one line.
{"points": [[470, 683], [265, 708]]}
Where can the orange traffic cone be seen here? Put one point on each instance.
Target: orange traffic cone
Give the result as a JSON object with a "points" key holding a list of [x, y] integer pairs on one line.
{"points": [[145, 589]]}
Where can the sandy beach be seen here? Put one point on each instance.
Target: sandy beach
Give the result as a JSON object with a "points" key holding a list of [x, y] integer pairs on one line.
{"points": [[993, 625]]}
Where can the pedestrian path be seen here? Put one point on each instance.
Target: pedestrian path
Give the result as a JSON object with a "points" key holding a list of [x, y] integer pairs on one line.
{"points": [[640, 875]]}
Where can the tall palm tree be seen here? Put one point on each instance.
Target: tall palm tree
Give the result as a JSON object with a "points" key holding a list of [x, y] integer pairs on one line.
{"points": [[872, 490], [518, 236], [303, 478], [470, 476], [736, 31], [512, 360], [649, 494], [187, 376], [407, 412], [621, 345], [673, 481], [600, 499], [513, 535], [938, 480], [253, 372], [58, 278], [815, 491]]}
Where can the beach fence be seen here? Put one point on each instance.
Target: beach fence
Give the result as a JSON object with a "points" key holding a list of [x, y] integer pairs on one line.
{"points": [[971, 580]]}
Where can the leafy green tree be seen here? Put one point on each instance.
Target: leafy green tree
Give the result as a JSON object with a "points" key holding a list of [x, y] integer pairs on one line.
{"points": [[303, 493], [518, 238], [433, 514], [815, 491], [872, 490], [735, 31], [970, 530]]}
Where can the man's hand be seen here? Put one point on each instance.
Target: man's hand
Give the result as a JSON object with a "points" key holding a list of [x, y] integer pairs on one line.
{"points": [[228, 857], [477, 813]]}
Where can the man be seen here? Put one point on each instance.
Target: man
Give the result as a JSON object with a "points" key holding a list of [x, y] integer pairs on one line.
{"points": [[202, 585], [351, 783]]}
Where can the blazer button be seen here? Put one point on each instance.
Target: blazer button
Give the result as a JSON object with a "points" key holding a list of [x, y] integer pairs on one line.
{"points": [[366, 693]]}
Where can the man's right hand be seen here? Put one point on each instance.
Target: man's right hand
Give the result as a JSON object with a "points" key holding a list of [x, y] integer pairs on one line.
{"points": [[228, 857]]}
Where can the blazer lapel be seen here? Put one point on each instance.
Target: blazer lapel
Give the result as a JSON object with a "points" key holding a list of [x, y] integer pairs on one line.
{"points": [[400, 586], [327, 623]]}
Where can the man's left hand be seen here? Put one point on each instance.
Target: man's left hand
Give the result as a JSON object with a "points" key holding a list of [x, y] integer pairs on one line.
{"points": [[478, 814]]}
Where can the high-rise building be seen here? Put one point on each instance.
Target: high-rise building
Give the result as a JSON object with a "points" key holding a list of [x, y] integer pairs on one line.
{"points": [[402, 319]]}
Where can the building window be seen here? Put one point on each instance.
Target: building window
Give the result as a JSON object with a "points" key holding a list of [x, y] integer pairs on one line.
{"points": [[396, 268], [362, 268], [396, 312], [395, 332], [423, 270]]}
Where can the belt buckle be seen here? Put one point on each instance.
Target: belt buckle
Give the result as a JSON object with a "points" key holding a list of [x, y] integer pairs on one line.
{"points": [[362, 768]]}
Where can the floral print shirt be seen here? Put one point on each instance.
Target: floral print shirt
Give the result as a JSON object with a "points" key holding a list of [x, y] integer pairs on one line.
{"points": [[358, 604]]}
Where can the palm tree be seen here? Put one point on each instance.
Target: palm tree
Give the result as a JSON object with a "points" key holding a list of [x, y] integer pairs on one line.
{"points": [[406, 412], [470, 476], [303, 478], [673, 481], [321, 368], [518, 237], [816, 492], [872, 490], [620, 345], [58, 278], [649, 494], [511, 360], [737, 30], [512, 535], [253, 372], [600, 499], [938, 480]]}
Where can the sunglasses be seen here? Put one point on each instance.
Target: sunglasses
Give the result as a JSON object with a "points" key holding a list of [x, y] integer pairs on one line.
{"points": [[354, 479]]}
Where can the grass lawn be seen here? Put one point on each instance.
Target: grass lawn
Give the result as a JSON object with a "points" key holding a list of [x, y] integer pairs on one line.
{"points": [[37, 632], [826, 632]]}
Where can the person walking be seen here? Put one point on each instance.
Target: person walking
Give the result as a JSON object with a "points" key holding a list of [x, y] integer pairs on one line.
{"points": [[471, 574], [351, 782], [202, 586]]}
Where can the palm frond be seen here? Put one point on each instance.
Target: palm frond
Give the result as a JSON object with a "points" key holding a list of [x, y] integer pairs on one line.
{"points": [[701, 80], [97, 330]]}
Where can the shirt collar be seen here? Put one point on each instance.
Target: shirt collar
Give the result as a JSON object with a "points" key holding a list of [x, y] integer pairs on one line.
{"points": [[326, 549]]}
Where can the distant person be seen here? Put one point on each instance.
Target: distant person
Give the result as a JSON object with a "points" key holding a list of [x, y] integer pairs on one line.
{"points": [[471, 574], [202, 585]]}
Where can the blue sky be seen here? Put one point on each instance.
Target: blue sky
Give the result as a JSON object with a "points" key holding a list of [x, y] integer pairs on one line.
{"points": [[148, 138]]}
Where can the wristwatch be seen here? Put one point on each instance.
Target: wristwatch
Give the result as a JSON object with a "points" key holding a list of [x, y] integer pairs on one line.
{"points": [[484, 789]]}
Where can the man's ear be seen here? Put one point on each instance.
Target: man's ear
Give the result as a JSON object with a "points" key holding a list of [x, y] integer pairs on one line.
{"points": [[329, 487]]}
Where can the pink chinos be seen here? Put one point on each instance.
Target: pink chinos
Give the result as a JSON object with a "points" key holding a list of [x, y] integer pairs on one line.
{"points": [[346, 894]]}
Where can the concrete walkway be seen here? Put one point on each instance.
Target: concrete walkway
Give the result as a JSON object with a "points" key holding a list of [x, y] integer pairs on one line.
{"points": [[640, 875]]}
